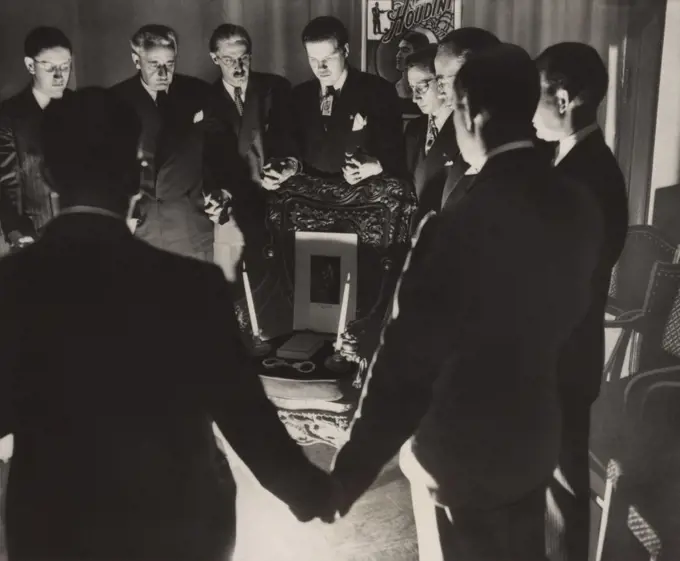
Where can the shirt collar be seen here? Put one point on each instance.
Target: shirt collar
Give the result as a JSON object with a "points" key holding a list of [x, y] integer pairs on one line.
{"points": [[515, 145], [231, 90], [338, 85], [567, 144], [151, 92], [86, 209], [441, 116], [41, 99]]}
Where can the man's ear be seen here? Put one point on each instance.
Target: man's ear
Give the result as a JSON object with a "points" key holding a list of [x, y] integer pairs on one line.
{"points": [[480, 119], [563, 101], [345, 50], [30, 65], [213, 57], [137, 61]]}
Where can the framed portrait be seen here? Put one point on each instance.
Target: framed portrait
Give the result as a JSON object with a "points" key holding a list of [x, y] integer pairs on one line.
{"points": [[392, 29], [322, 262]]}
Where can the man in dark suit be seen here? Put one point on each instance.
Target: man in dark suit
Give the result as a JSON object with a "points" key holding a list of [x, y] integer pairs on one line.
{"points": [[430, 139], [452, 52], [345, 121], [112, 417], [26, 202], [253, 118], [467, 364], [172, 212], [573, 84]]}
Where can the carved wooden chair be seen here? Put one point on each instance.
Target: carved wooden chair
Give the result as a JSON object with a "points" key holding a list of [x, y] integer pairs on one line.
{"points": [[317, 407]]}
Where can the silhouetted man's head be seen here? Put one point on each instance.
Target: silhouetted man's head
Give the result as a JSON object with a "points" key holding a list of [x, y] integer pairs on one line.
{"points": [[90, 142], [496, 92], [573, 84], [48, 56], [452, 52]]}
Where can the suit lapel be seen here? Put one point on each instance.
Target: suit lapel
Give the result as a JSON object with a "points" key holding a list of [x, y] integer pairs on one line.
{"points": [[250, 120], [228, 107]]}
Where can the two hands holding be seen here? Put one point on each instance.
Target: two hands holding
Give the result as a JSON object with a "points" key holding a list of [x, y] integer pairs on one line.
{"points": [[328, 501], [357, 167]]}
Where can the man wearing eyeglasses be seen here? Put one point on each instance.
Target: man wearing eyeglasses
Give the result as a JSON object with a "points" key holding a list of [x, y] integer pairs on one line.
{"points": [[172, 211], [26, 201], [430, 139], [346, 121], [250, 127]]}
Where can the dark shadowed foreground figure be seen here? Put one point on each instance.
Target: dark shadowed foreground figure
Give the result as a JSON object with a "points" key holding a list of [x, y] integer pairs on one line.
{"points": [[573, 85], [490, 293], [115, 358]]}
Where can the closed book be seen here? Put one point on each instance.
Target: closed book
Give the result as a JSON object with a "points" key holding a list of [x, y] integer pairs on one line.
{"points": [[301, 346]]}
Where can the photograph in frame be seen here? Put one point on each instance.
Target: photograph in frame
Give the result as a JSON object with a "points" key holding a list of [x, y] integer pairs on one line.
{"points": [[392, 29], [322, 262]]}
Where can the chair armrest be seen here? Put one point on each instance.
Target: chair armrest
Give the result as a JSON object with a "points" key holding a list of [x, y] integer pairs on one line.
{"points": [[631, 319]]}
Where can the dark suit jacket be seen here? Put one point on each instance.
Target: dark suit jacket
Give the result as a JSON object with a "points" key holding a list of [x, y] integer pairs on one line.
{"points": [[592, 163], [323, 151], [114, 451], [173, 213], [429, 172], [25, 204], [487, 299]]}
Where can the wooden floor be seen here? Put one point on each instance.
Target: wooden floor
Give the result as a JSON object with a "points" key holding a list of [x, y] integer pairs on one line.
{"points": [[379, 528]]}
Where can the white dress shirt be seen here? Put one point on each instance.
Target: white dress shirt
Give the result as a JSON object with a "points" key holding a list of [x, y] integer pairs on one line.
{"points": [[231, 90], [567, 144]]}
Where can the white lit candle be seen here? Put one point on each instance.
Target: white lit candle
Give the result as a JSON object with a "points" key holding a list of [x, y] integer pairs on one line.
{"points": [[343, 314], [251, 304]]}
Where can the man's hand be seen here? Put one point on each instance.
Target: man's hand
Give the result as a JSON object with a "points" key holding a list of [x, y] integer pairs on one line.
{"points": [[17, 239], [325, 499], [359, 167], [278, 170], [215, 203], [338, 505]]}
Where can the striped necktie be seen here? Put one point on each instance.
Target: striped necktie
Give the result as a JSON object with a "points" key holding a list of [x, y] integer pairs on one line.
{"points": [[327, 102], [431, 134], [238, 100]]}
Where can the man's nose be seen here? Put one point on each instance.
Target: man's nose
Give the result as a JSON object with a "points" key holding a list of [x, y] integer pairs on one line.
{"points": [[58, 73], [162, 71]]}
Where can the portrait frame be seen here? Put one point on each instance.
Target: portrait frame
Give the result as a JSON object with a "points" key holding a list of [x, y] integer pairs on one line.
{"points": [[318, 298], [432, 19]]}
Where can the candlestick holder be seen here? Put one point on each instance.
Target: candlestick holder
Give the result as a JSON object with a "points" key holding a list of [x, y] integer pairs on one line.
{"points": [[258, 346], [344, 359]]}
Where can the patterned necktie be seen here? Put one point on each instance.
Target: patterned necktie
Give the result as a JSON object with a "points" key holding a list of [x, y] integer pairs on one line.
{"points": [[238, 100], [327, 102], [431, 134]]}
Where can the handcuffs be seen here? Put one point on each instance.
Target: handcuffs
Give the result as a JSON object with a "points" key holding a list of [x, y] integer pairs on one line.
{"points": [[304, 367]]}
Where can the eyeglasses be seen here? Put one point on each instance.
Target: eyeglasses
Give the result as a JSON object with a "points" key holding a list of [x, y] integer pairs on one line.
{"points": [[421, 88], [52, 68], [157, 66], [230, 62]]}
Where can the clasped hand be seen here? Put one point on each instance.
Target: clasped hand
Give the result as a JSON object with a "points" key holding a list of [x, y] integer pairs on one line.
{"points": [[332, 506], [360, 166], [278, 170]]}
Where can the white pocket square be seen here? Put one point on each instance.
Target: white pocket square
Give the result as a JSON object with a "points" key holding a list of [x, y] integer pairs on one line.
{"points": [[448, 163], [198, 117], [359, 122]]}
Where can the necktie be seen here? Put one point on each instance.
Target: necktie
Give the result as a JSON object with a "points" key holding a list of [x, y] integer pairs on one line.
{"points": [[431, 134], [327, 102], [238, 100], [161, 100]]}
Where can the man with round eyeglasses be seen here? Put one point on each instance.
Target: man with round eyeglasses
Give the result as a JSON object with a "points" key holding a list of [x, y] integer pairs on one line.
{"points": [[26, 201]]}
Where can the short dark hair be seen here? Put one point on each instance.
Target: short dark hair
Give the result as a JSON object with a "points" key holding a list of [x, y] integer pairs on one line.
{"points": [[502, 80], [42, 38], [578, 69], [464, 41], [89, 141], [325, 28], [154, 35], [228, 31], [423, 58], [416, 40]]}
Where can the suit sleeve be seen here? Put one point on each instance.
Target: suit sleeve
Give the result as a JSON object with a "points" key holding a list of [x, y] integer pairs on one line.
{"points": [[419, 337], [249, 421], [10, 219], [386, 134]]}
